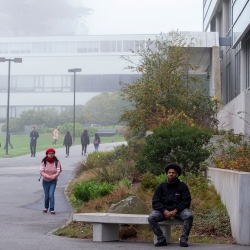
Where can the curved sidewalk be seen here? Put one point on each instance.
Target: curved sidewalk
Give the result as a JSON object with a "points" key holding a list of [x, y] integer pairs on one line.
{"points": [[25, 227]]}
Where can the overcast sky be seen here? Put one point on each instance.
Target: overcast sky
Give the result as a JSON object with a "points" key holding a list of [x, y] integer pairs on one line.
{"points": [[143, 16]]}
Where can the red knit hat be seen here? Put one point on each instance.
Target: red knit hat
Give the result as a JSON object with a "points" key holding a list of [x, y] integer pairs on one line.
{"points": [[50, 150]]}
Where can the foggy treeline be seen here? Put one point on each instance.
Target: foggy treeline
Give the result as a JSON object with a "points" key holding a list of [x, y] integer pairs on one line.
{"points": [[42, 18]]}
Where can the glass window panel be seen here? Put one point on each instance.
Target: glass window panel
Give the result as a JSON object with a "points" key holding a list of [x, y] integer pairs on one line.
{"points": [[90, 46], [119, 46], [37, 47], [1, 48], [28, 47], [113, 46], [73, 47], [105, 46], [23, 46], [3, 111], [25, 82], [48, 81], [96, 46], [62, 47], [57, 82], [128, 46], [15, 48], [82, 47], [6, 48]]}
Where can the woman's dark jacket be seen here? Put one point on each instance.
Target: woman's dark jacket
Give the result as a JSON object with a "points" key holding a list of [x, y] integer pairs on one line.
{"points": [[171, 196], [67, 140], [84, 139]]}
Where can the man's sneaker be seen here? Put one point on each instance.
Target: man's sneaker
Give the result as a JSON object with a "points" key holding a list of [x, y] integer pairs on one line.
{"points": [[183, 243], [52, 212], [161, 243], [45, 210]]}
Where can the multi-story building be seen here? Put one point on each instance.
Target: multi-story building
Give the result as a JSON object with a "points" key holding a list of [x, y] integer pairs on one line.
{"points": [[231, 19], [42, 79]]}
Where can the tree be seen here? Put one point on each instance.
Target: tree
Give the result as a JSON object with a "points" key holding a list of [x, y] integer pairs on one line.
{"points": [[68, 115], [104, 109], [176, 142], [166, 87], [41, 18], [44, 118], [15, 126]]}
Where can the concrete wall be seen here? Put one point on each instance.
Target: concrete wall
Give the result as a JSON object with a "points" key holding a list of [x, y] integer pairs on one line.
{"points": [[230, 119], [234, 189]]}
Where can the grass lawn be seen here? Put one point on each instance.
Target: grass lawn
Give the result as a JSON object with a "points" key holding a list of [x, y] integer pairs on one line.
{"points": [[21, 143]]}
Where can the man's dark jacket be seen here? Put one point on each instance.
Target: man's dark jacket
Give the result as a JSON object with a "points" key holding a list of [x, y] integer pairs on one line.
{"points": [[171, 196]]}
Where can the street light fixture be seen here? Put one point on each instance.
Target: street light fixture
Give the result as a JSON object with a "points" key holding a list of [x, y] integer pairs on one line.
{"points": [[74, 122], [15, 60]]}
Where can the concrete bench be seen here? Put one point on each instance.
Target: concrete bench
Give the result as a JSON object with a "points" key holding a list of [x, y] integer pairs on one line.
{"points": [[106, 132], [106, 225]]}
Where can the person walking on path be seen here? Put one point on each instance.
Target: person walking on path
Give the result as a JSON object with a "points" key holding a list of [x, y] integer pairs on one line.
{"points": [[8, 142], [33, 138], [55, 135], [171, 200], [50, 169], [84, 141], [67, 142], [96, 141]]}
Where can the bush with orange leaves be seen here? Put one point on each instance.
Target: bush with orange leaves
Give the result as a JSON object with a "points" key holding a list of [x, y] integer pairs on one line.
{"points": [[232, 152]]}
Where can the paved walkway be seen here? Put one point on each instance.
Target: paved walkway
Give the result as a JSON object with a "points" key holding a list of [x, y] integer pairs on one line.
{"points": [[25, 227]]}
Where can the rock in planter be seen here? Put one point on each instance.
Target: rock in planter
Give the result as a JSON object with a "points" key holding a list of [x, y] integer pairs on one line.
{"points": [[131, 205]]}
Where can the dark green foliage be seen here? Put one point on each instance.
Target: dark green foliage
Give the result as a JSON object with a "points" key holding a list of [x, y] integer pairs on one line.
{"points": [[148, 181], [69, 127], [91, 190], [176, 142]]}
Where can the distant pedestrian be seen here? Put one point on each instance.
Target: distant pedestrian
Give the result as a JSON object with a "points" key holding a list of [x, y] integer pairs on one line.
{"points": [[50, 169], [67, 142], [33, 138], [84, 141], [55, 135], [8, 142], [96, 141]]}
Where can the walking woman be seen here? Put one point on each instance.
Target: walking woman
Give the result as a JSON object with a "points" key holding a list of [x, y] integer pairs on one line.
{"points": [[50, 169], [84, 141], [96, 141], [67, 142]]}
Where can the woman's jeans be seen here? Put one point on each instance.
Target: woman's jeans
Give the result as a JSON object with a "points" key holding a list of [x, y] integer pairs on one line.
{"points": [[157, 216], [96, 147], [49, 190]]}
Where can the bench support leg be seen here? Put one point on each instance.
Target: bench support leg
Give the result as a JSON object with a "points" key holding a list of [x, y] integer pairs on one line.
{"points": [[166, 229], [105, 232]]}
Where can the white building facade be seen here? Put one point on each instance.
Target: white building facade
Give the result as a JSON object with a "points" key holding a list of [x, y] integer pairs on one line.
{"points": [[231, 19], [42, 80]]}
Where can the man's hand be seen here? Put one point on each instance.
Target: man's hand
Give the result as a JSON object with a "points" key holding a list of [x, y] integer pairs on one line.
{"points": [[166, 213], [170, 214]]}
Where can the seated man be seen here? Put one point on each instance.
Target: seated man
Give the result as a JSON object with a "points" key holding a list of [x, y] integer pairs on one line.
{"points": [[171, 200]]}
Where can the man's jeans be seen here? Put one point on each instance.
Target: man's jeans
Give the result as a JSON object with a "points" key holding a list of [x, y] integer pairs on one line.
{"points": [[33, 147], [157, 216], [49, 190]]}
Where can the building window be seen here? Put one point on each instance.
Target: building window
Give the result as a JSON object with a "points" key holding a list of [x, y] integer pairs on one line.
{"points": [[82, 47], [228, 83], [237, 69], [62, 47], [248, 61], [37, 47], [105, 46], [128, 46]]}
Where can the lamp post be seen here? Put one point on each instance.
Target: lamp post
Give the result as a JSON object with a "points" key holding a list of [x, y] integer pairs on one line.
{"points": [[74, 120], [15, 60]]}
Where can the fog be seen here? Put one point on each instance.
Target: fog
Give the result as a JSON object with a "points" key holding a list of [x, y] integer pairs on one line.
{"points": [[143, 16]]}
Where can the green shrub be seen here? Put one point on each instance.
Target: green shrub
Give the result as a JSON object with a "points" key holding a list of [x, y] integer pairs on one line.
{"points": [[176, 142], [148, 181], [69, 127], [160, 178], [91, 189]]}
